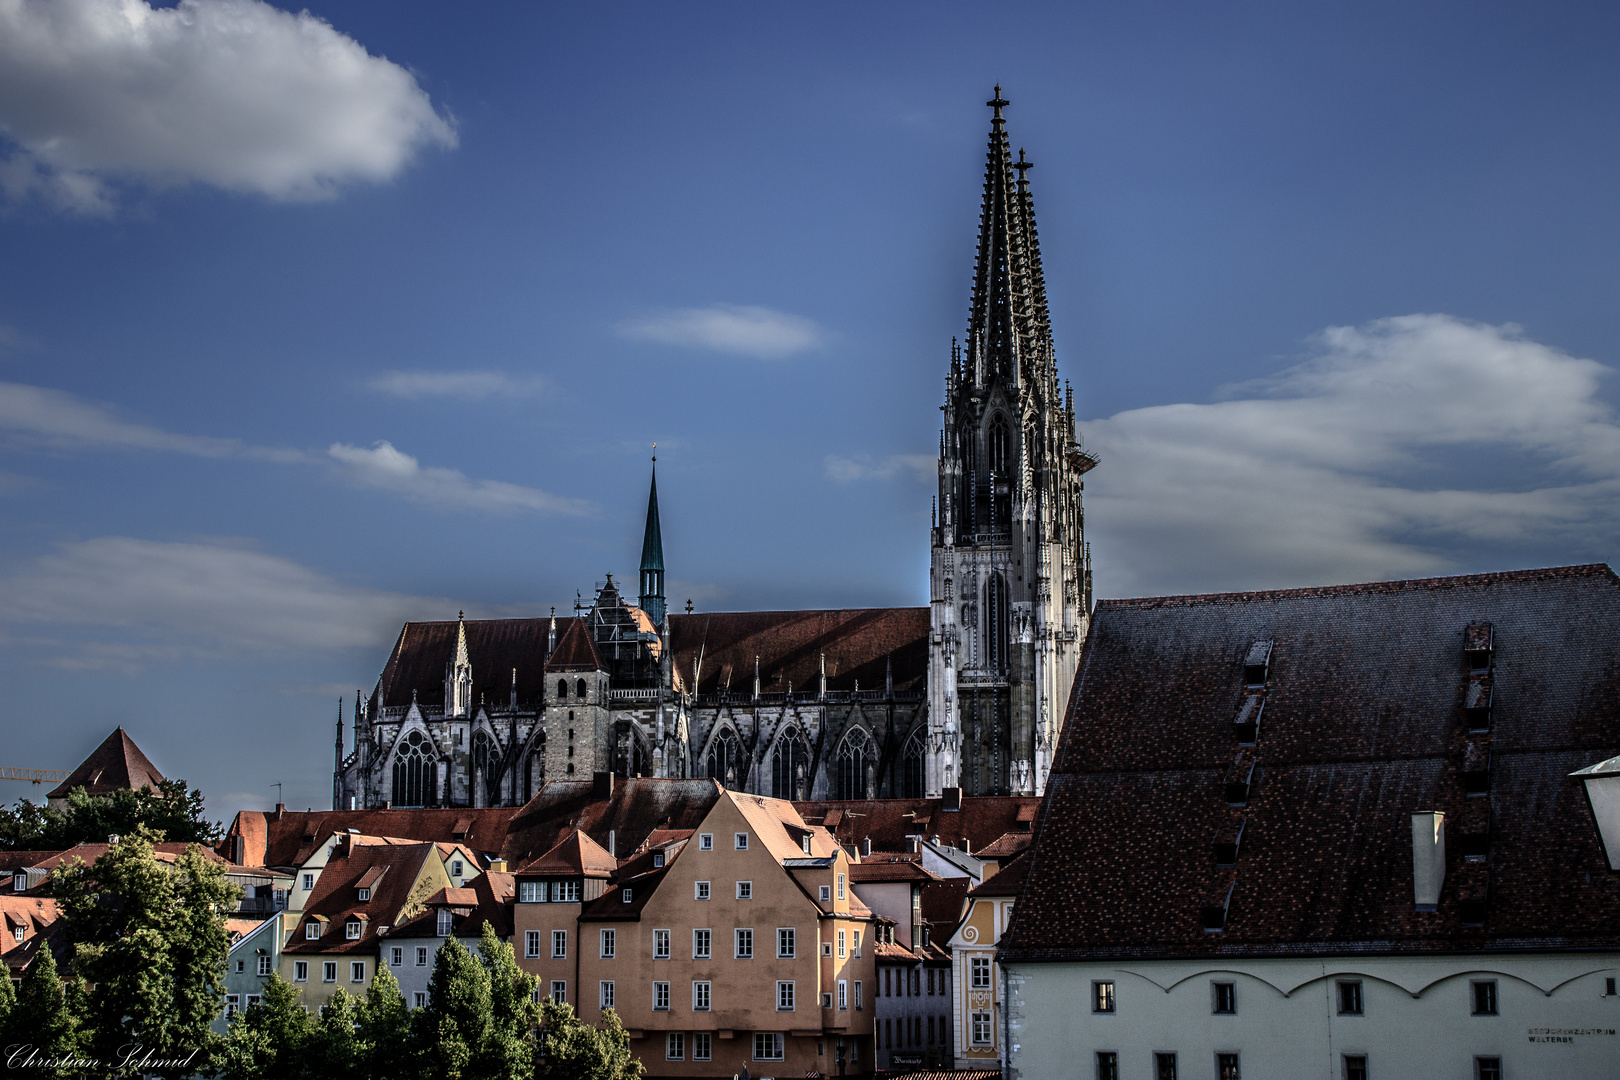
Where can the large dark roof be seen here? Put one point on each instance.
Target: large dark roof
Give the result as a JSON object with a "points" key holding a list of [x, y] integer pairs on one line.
{"points": [[116, 765], [637, 807], [981, 820], [575, 650], [1363, 726], [415, 669]]}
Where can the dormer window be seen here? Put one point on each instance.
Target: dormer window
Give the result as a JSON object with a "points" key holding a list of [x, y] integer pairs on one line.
{"points": [[1477, 701], [312, 931], [1247, 723], [351, 930], [628, 896], [531, 892], [446, 916], [658, 860], [1238, 779], [805, 840], [363, 895], [1227, 842], [1213, 913], [19, 932], [19, 881], [1479, 646], [1257, 664]]}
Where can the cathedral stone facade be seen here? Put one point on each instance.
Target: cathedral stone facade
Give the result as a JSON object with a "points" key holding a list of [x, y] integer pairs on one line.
{"points": [[838, 704]]}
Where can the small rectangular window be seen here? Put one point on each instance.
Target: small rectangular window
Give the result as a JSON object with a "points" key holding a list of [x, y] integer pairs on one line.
{"points": [[264, 965], [607, 941], [309, 882], [559, 944], [241, 965], [357, 971], [826, 948], [767, 1046], [979, 1032], [351, 930], [784, 995], [1225, 998], [455, 868], [329, 971], [700, 995], [312, 931], [231, 1001], [661, 997], [660, 944], [300, 971], [1227, 1068], [628, 895], [397, 957], [1487, 1068], [741, 841], [362, 895], [1102, 996], [421, 957], [605, 993], [1350, 997], [531, 944], [745, 890], [420, 999], [1484, 997], [706, 841], [1608, 987], [1164, 1067], [843, 994], [786, 942], [700, 1046], [979, 973], [1107, 1065], [658, 860], [826, 894], [675, 1046], [745, 944], [559, 991], [1355, 1067], [700, 890]]}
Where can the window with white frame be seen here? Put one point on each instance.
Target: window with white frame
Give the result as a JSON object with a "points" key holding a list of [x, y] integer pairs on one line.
{"points": [[264, 965], [445, 916], [826, 894], [841, 895], [842, 945], [300, 971], [855, 942], [531, 944], [456, 869], [661, 997], [421, 956], [329, 971], [700, 890], [357, 971], [608, 944], [351, 930], [786, 942], [706, 841], [309, 882], [702, 942], [312, 930], [767, 1046], [559, 991], [605, 993], [701, 1046], [979, 972], [362, 895], [675, 1046], [658, 860], [419, 1000], [660, 944], [700, 995], [565, 892], [628, 896], [745, 890], [784, 995], [740, 841], [745, 944], [531, 892], [396, 956], [231, 1001], [826, 948], [843, 994], [241, 965], [559, 944], [979, 1035]]}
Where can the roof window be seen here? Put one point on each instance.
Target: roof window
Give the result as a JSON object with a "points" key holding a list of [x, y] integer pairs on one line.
{"points": [[1213, 913], [1227, 842], [1476, 769], [1238, 778], [1477, 700], [1479, 646], [1257, 664], [1247, 723]]}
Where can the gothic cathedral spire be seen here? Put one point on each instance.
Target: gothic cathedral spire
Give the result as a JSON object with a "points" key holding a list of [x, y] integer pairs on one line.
{"points": [[652, 558], [1010, 592]]}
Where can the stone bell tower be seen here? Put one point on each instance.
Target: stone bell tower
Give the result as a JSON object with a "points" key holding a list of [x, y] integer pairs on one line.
{"points": [[1010, 575]]}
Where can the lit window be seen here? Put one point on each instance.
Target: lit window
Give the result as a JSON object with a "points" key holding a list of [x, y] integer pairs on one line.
{"points": [[329, 971], [1102, 996], [608, 942], [1484, 997], [741, 841], [745, 944], [1225, 997], [1350, 1003], [701, 941], [357, 971], [661, 997], [605, 995], [700, 890], [559, 991], [559, 944], [700, 995], [531, 943], [660, 944], [786, 942], [979, 969], [301, 971], [706, 841], [784, 995], [675, 1046], [767, 1046], [700, 1046], [745, 890]]}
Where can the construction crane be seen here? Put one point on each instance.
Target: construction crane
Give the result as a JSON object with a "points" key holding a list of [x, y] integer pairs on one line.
{"points": [[38, 776]]}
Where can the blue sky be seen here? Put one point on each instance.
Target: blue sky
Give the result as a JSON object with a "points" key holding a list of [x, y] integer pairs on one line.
{"points": [[309, 325]]}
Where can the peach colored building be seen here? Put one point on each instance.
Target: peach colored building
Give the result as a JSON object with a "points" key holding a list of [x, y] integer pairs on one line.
{"points": [[740, 942]]}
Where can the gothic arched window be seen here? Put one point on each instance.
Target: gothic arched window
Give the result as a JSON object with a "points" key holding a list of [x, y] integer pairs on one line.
{"points": [[725, 758], [995, 623], [416, 777], [789, 765], [579, 689], [562, 689], [913, 767], [480, 764], [998, 445], [855, 759]]}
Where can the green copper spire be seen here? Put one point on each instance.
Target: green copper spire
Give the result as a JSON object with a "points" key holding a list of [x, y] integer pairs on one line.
{"points": [[652, 556]]}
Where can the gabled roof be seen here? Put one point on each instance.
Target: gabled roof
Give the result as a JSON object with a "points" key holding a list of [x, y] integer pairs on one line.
{"points": [[415, 669], [1006, 846], [888, 867], [116, 765], [576, 853], [575, 650], [487, 899], [779, 827], [334, 901], [887, 822], [275, 840], [1005, 882], [637, 807], [1363, 727]]}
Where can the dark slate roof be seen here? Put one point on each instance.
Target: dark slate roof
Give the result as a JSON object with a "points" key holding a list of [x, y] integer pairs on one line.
{"points": [[860, 643], [494, 647], [1008, 881], [116, 765], [638, 806], [575, 650], [1362, 727], [887, 822]]}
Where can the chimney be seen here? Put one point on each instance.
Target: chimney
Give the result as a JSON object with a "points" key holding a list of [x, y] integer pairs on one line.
{"points": [[602, 785], [281, 808], [914, 844], [497, 866], [1428, 858], [966, 846], [611, 844], [950, 799], [238, 848], [866, 848]]}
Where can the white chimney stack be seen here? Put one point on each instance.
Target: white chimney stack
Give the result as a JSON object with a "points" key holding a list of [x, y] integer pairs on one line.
{"points": [[1428, 858]]}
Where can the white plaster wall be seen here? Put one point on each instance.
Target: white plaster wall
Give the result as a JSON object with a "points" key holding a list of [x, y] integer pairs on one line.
{"points": [[1555, 1019]]}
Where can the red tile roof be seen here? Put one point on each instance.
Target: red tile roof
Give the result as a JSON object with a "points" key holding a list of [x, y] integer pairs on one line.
{"points": [[487, 899], [887, 822], [334, 899], [284, 844], [575, 650], [116, 765], [1005, 882], [576, 853], [637, 807], [1363, 726], [889, 868]]}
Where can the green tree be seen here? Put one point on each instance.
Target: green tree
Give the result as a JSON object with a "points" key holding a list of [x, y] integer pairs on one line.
{"points": [[270, 1039], [514, 1013], [41, 1020], [574, 1050], [149, 941], [452, 1030], [8, 1007], [385, 1048], [171, 809], [334, 1051]]}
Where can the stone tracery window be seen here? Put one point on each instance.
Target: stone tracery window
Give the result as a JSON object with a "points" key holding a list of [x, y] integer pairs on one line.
{"points": [[855, 761], [995, 623], [998, 445], [789, 765], [913, 767], [481, 754], [416, 775], [725, 758]]}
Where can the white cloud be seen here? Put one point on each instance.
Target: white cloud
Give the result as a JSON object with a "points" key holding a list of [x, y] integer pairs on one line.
{"points": [[729, 328], [54, 418], [1408, 446], [384, 467], [154, 602], [455, 384], [845, 470], [231, 93]]}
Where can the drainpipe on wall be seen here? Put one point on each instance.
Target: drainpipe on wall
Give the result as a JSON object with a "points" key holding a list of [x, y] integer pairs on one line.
{"points": [[1006, 1023]]}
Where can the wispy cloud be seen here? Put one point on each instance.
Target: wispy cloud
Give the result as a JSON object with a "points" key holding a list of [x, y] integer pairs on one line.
{"points": [[847, 470], [729, 328], [382, 466], [456, 384], [1407, 446], [54, 418], [150, 602], [236, 94]]}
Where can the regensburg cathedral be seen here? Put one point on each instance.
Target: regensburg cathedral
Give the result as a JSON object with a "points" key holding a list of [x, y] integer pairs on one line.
{"points": [[830, 704]]}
